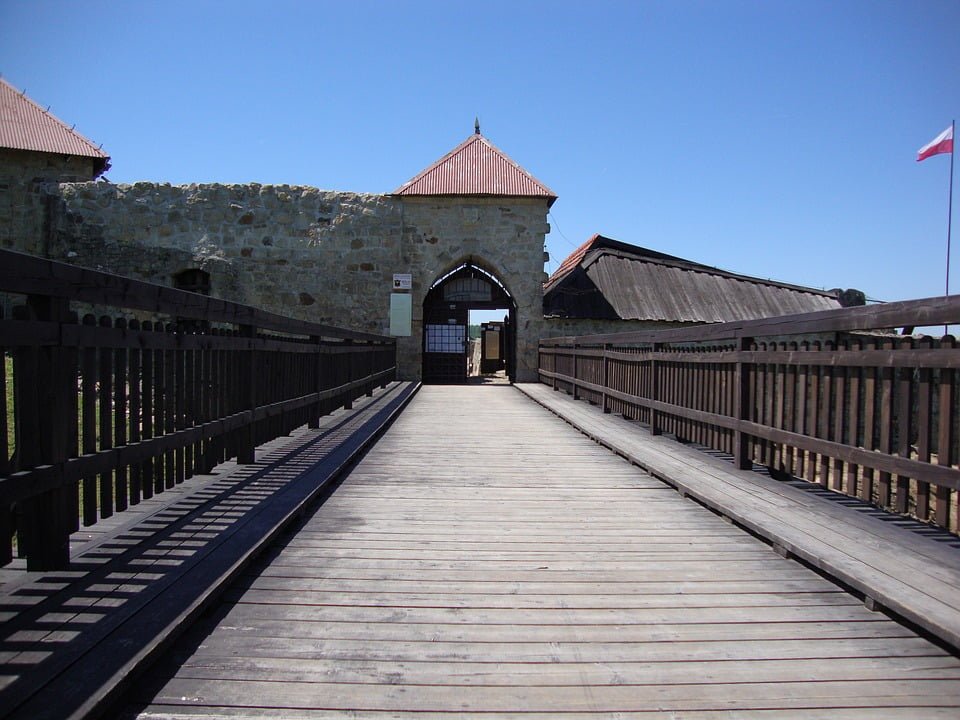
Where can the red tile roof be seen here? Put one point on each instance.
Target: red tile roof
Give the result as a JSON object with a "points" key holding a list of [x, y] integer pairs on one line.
{"points": [[24, 125], [476, 167]]}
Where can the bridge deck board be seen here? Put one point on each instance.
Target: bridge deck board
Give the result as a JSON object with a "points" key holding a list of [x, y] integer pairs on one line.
{"points": [[71, 638], [485, 559], [911, 569]]}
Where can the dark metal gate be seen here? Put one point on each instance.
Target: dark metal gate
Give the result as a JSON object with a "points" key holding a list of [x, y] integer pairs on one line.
{"points": [[445, 343], [446, 316]]}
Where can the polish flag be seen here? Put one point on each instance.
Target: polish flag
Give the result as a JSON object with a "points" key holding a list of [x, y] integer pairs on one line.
{"points": [[942, 143]]}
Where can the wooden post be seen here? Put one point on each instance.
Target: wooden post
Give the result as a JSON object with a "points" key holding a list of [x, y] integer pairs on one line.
{"points": [[346, 373], [655, 415], [606, 378], [371, 369], [925, 431], [553, 367], [574, 388], [946, 437], [46, 394], [742, 451], [246, 453], [389, 353], [120, 419], [6, 516], [313, 422], [905, 426]]}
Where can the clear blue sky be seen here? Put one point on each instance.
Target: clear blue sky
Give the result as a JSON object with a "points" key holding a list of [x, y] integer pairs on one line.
{"points": [[776, 139]]}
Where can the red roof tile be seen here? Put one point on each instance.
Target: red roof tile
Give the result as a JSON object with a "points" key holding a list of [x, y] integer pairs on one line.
{"points": [[24, 125], [476, 167]]}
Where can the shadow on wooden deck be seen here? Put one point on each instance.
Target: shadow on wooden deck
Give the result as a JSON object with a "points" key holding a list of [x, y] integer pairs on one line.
{"points": [[896, 564], [71, 640]]}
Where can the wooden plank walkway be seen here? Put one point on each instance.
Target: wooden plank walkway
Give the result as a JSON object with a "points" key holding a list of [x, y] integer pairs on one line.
{"points": [[70, 640], [896, 563], [486, 560]]}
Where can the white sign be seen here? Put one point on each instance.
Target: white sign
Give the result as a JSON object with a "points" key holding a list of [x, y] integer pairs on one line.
{"points": [[401, 311], [402, 281]]}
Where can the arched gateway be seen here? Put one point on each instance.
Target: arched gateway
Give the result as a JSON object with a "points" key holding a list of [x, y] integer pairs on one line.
{"points": [[474, 225], [446, 317]]}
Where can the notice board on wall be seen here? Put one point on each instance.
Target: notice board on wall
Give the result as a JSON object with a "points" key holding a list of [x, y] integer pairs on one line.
{"points": [[401, 313]]}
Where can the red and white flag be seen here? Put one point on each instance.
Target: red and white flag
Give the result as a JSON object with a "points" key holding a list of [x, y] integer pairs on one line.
{"points": [[942, 143]]}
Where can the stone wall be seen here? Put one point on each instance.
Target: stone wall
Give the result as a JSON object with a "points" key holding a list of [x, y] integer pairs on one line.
{"points": [[321, 255], [24, 178], [503, 236]]}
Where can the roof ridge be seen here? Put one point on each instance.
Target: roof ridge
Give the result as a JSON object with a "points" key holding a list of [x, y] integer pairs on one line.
{"points": [[484, 171], [514, 163]]}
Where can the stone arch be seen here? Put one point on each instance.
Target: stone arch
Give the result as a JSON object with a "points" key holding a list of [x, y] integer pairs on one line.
{"points": [[479, 262], [468, 284]]}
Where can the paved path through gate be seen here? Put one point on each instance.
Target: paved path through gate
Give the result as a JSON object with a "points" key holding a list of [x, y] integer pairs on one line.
{"points": [[485, 558]]}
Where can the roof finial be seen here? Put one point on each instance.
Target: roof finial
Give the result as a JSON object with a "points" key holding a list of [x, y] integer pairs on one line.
{"points": [[476, 125]]}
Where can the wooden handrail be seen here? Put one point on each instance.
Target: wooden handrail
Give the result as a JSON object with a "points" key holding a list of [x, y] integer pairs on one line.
{"points": [[832, 397], [885, 316], [111, 409]]}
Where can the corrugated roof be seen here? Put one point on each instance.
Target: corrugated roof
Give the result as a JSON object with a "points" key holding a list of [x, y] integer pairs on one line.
{"points": [[640, 284], [24, 125], [598, 241], [573, 259], [476, 167], [639, 290]]}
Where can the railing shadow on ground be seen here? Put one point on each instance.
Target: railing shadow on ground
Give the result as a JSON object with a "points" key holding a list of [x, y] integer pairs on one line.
{"points": [[913, 525], [117, 593], [109, 410]]}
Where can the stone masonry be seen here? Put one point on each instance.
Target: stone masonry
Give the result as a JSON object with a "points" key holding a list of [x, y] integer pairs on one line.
{"points": [[24, 196], [321, 255]]}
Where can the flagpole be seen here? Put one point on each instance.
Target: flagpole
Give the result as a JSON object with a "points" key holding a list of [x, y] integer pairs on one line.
{"points": [[950, 211], [950, 203]]}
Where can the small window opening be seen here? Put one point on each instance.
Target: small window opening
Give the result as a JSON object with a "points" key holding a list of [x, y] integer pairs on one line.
{"points": [[193, 280]]}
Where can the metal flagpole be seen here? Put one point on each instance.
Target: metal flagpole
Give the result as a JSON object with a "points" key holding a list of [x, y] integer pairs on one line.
{"points": [[950, 211], [950, 200]]}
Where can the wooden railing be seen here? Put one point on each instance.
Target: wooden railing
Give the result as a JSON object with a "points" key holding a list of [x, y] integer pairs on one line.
{"points": [[112, 408], [834, 397]]}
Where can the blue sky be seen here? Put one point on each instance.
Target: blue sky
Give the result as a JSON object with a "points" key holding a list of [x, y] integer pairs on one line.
{"points": [[775, 139]]}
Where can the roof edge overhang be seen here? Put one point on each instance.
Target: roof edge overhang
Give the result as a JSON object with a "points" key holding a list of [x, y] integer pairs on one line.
{"points": [[479, 196], [101, 163]]}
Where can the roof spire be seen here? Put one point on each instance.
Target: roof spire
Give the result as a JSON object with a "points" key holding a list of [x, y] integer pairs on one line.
{"points": [[476, 125]]}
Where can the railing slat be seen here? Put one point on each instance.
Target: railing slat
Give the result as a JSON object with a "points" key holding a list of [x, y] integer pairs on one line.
{"points": [[871, 415], [110, 411]]}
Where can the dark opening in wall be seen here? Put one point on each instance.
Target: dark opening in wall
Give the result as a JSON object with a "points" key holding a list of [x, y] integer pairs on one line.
{"points": [[194, 280]]}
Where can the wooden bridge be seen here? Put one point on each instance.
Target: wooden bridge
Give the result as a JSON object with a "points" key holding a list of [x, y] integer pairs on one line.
{"points": [[695, 528]]}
